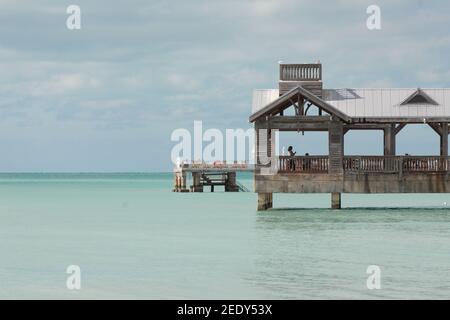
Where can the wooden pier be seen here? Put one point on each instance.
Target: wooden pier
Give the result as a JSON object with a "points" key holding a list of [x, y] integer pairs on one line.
{"points": [[209, 175], [304, 105]]}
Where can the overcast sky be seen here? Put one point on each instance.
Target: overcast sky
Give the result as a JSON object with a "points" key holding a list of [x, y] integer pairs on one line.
{"points": [[107, 97]]}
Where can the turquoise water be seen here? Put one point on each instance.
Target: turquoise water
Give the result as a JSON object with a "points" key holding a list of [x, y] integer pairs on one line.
{"points": [[133, 238]]}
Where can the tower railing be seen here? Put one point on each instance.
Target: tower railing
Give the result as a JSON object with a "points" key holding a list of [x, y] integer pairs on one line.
{"points": [[301, 72]]}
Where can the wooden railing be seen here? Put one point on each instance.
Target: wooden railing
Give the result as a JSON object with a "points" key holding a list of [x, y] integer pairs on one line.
{"points": [[300, 72], [303, 164], [215, 164], [420, 164], [396, 164], [371, 164], [365, 164]]}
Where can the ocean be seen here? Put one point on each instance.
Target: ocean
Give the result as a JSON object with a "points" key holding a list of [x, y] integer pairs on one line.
{"points": [[133, 238]]}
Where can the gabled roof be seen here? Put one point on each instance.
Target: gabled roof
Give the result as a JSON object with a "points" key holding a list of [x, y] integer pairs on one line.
{"points": [[418, 97], [390, 102], [262, 97], [285, 101]]}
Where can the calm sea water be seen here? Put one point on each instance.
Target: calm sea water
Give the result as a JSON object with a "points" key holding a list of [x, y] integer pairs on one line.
{"points": [[133, 238]]}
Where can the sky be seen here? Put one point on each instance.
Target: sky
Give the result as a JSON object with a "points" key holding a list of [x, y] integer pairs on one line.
{"points": [[106, 98]]}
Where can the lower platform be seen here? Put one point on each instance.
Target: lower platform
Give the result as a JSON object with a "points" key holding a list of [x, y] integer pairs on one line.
{"points": [[336, 184]]}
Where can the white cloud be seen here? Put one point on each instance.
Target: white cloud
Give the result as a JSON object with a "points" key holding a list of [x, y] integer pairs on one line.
{"points": [[107, 104], [160, 64], [62, 84]]}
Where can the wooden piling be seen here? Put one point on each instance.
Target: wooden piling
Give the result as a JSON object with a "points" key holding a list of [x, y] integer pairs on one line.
{"points": [[265, 201], [335, 200]]}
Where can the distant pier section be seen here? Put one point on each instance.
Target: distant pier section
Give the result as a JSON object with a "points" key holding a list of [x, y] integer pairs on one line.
{"points": [[195, 176]]}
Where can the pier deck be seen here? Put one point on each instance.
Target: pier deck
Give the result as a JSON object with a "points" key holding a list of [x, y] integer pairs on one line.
{"points": [[209, 175]]}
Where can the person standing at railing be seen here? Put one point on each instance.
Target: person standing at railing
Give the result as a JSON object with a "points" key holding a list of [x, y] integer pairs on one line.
{"points": [[307, 163], [291, 160]]}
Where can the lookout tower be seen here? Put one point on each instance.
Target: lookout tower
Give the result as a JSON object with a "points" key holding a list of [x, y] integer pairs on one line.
{"points": [[308, 76]]}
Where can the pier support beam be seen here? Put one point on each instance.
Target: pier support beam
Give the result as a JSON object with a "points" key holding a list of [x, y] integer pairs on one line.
{"points": [[265, 201], [196, 182], [335, 200], [444, 139], [180, 179], [389, 140], [442, 130], [230, 184], [335, 147]]}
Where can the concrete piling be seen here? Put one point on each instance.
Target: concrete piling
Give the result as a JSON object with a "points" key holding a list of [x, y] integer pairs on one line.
{"points": [[265, 201], [335, 200]]}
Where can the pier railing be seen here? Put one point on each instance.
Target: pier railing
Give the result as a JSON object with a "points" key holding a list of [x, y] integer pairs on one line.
{"points": [[372, 164], [303, 164], [216, 165], [396, 164], [426, 164], [366, 164]]}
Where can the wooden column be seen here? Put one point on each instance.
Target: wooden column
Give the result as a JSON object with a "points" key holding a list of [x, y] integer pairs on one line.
{"points": [[263, 154], [183, 181], [335, 147], [175, 182], [230, 184], [335, 200], [265, 201], [180, 180], [336, 154], [444, 139], [389, 140], [196, 182], [257, 142], [263, 145], [301, 106]]}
